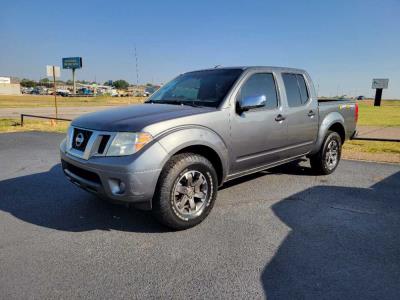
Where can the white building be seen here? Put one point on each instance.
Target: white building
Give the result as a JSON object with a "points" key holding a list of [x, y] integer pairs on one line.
{"points": [[9, 86]]}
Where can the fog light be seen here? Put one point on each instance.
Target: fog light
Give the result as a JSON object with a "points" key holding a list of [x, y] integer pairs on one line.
{"points": [[117, 186]]}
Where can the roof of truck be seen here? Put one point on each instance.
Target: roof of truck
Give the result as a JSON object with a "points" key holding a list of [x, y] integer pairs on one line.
{"points": [[280, 69]]}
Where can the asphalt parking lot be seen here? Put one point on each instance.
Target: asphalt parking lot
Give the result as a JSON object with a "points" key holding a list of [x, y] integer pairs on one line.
{"points": [[281, 234]]}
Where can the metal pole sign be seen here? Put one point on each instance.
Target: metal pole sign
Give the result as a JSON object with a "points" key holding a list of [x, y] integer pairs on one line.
{"points": [[72, 63], [379, 84], [54, 71]]}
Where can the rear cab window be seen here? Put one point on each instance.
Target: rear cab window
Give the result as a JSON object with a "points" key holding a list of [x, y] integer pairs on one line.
{"points": [[296, 89]]}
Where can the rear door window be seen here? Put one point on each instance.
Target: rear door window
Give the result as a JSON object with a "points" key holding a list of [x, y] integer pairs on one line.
{"points": [[303, 88], [296, 89]]}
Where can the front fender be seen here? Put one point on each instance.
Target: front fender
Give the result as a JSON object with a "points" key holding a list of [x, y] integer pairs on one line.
{"points": [[178, 138], [327, 122]]}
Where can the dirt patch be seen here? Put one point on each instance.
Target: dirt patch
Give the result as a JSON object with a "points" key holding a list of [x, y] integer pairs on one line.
{"points": [[379, 157]]}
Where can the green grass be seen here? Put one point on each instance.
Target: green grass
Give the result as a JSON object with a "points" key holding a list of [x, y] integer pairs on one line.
{"points": [[372, 147], [48, 101], [388, 114], [13, 125]]}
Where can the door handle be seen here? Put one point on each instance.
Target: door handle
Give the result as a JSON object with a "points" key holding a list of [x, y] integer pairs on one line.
{"points": [[279, 118], [311, 113]]}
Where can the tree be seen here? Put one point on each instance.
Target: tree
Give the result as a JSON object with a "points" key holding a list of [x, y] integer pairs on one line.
{"points": [[27, 83], [82, 81], [120, 84], [44, 80]]}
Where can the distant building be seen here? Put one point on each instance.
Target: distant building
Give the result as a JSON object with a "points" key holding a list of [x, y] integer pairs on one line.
{"points": [[9, 86]]}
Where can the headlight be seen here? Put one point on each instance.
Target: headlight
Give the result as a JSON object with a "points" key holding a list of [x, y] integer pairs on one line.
{"points": [[70, 134], [127, 143]]}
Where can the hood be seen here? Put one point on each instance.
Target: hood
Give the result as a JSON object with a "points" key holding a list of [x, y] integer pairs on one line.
{"points": [[135, 117]]}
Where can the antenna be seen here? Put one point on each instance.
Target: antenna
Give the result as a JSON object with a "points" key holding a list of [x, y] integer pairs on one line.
{"points": [[137, 68]]}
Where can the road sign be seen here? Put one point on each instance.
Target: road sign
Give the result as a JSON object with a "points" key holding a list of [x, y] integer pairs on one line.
{"points": [[380, 83], [53, 71], [72, 62]]}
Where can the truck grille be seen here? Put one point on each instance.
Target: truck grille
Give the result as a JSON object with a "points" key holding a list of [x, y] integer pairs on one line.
{"points": [[80, 139], [85, 143]]}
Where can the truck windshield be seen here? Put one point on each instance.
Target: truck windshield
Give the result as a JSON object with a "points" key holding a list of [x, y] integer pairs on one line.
{"points": [[199, 88]]}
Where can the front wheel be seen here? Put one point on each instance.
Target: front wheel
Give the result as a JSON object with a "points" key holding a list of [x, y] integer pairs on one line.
{"points": [[185, 192], [327, 159]]}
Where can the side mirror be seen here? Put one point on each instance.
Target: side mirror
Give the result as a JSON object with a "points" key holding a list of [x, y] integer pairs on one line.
{"points": [[252, 102]]}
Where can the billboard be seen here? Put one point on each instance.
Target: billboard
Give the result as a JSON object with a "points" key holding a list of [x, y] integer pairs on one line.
{"points": [[72, 62], [380, 83]]}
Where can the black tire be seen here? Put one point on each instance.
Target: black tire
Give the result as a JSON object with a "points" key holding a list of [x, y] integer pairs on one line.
{"points": [[320, 162], [165, 207]]}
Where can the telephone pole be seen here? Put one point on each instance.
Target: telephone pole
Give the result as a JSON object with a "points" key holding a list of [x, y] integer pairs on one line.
{"points": [[137, 68]]}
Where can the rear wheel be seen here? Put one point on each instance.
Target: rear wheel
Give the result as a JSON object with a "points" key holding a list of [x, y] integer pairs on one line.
{"points": [[186, 191], [327, 159]]}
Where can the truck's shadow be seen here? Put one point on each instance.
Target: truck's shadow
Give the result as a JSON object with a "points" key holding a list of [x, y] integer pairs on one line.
{"points": [[343, 244], [48, 199]]}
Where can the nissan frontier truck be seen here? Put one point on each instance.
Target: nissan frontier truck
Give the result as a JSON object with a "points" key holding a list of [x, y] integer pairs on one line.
{"points": [[200, 130]]}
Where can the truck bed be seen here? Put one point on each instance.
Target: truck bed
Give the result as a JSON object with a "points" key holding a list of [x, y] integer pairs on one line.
{"points": [[345, 107]]}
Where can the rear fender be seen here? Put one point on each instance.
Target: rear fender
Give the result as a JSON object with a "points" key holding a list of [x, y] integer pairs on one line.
{"points": [[327, 122]]}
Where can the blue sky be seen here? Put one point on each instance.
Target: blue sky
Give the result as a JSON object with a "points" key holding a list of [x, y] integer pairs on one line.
{"points": [[342, 44]]}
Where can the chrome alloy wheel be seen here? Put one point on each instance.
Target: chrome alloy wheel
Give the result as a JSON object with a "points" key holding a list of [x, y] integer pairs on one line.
{"points": [[190, 194], [332, 154]]}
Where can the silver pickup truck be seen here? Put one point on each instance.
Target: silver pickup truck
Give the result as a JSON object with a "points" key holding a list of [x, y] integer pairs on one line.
{"points": [[200, 130]]}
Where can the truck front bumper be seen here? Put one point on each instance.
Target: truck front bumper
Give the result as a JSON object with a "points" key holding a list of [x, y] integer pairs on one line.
{"points": [[115, 182]]}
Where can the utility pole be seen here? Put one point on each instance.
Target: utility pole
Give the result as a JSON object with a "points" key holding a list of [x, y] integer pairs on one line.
{"points": [[137, 69]]}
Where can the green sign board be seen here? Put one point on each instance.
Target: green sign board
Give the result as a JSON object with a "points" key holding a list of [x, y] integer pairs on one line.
{"points": [[72, 62]]}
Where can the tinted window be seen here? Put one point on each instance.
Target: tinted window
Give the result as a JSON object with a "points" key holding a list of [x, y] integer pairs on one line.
{"points": [[188, 89], [205, 88], [303, 88], [292, 89], [260, 84]]}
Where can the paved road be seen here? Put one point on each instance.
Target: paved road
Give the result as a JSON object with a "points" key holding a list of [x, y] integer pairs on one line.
{"points": [[379, 132], [63, 112], [283, 234]]}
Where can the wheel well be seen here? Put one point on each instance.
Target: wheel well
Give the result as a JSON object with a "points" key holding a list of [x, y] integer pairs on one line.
{"points": [[208, 153], [337, 127]]}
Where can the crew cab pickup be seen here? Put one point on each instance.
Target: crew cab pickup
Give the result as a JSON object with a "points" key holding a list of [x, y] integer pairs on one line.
{"points": [[201, 130]]}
